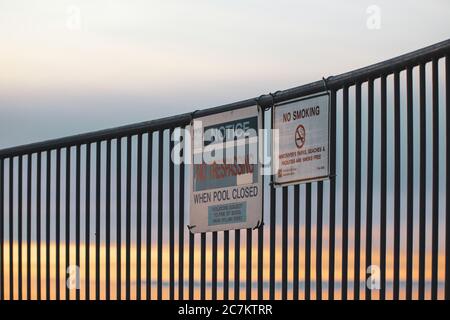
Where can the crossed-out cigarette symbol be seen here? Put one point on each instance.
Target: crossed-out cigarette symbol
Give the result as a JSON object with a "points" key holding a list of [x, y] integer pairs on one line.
{"points": [[300, 134]]}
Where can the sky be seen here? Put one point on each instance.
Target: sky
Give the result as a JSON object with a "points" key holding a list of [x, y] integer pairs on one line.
{"points": [[81, 65]]}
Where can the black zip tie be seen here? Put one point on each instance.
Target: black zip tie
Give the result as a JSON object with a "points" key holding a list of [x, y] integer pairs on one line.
{"points": [[193, 114], [258, 225], [270, 105], [273, 95], [325, 83], [260, 106]]}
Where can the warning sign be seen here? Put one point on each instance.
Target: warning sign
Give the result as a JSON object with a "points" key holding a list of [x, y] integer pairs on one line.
{"points": [[226, 184], [302, 142]]}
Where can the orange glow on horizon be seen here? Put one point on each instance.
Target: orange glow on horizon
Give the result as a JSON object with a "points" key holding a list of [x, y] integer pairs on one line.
{"points": [[197, 266]]}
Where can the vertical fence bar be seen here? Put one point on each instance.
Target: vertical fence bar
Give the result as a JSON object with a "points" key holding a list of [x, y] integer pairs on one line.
{"points": [[214, 266], [237, 263], [38, 226], [203, 266], [119, 218], [108, 222], [171, 221], [47, 225], [447, 189], [11, 228], [191, 265], [149, 216], [369, 213], [2, 242], [261, 232], [98, 149], [226, 272], [422, 186], [410, 185], [160, 211], [57, 219], [284, 241], [332, 226], [19, 222], [88, 223], [29, 169], [308, 242], [77, 212], [237, 257], [357, 249], [345, 195], [383, 186], [138, 217], [248, 276], [128, 223], [435, 200], [67, 211], [261, 259], [181, 226], [319, 240], [272, 241], [396, 278], [296, 246]]}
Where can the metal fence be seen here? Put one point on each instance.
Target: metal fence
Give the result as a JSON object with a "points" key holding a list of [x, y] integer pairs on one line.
{"points": [[109, 208]]}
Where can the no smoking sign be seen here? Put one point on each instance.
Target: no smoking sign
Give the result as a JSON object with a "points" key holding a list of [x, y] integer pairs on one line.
{"points": [[300, 152]]}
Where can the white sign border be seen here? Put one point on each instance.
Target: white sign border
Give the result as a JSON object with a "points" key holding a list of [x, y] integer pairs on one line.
{"points": [[302, 181], [260, 223]]}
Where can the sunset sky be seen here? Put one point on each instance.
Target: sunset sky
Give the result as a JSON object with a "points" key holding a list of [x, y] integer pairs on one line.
{"points": [[74, 66]]}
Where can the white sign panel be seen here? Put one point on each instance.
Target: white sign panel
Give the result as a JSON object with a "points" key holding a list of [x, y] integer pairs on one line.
{"points": [[301, 148], [226, 185]]}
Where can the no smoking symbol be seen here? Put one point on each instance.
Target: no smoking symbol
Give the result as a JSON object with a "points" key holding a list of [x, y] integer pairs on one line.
{"points": [[300, 136]]}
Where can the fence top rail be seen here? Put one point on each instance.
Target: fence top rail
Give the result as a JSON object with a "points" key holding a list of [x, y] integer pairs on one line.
{"points": [[386, 67]]}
